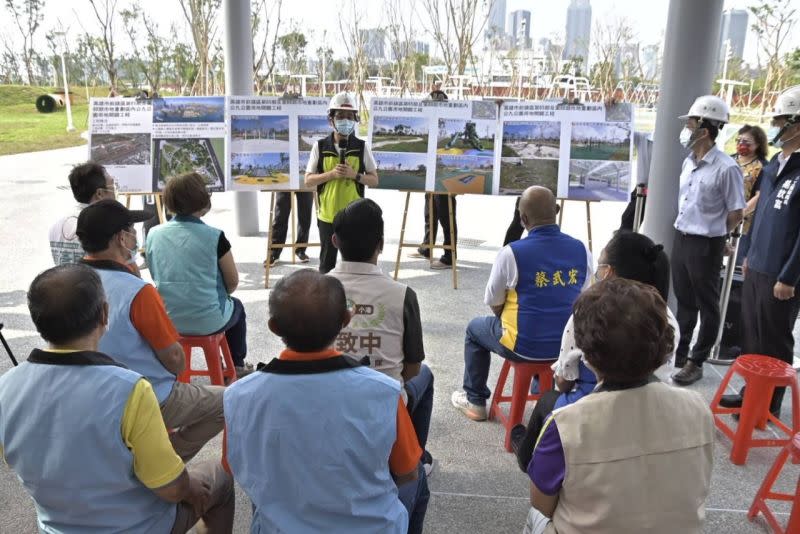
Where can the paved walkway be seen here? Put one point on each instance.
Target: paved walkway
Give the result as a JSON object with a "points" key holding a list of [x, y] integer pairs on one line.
{"points": [[476, 486]]}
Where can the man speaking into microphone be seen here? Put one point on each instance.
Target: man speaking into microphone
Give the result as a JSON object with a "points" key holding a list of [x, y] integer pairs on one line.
{"points": [[339, 166]]}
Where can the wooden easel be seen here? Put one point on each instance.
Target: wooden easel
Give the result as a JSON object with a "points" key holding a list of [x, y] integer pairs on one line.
{"points": [[588, 203], [431, 246], [294, 246], [158, 201]]}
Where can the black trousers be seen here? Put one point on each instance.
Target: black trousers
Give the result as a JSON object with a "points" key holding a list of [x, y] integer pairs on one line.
{"points": [[767, 323], [543, 408], [515, 229], [327, 252], [696, 263], [442, 215], [280, 222]]}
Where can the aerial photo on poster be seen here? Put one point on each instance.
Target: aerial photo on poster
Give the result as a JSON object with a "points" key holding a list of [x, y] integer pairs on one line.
{"points": [[259, 133], [310, 129], [120, 149], [400, 134], [529, 155], [178, 156], [459, 137], [599, 180], [259, 170], [464, 174], [601, 140], [189, 109], [401, 170]]}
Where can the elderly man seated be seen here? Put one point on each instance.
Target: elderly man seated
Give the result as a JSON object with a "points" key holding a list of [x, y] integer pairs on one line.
{"points": [[85, 435], [386, 327], [314, 437], [636, 454], [531, 288], [140, 334]]}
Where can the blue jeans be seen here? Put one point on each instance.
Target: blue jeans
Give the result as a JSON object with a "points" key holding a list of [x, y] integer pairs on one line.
{"points": [[482, 339], [236, 333], [420, 402], [415, 496]]}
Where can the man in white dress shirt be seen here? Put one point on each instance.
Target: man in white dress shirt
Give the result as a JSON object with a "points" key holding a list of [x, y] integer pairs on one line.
{"points": [[710, 206]]}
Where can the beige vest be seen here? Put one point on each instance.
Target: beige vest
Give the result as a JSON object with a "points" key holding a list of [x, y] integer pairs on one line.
{"points": [[637, 460], [376, 329]]}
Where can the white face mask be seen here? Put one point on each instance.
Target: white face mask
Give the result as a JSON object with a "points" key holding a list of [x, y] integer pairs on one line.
{"points": [[133, 252], [686, 137]]}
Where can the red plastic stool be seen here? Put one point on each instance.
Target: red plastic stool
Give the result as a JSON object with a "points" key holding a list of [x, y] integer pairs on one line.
{"points": [[762, 375], [216, 350], [765, 492], [520, 392]]}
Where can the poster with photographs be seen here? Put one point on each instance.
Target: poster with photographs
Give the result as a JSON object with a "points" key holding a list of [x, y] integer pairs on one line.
{"points": [[399, 134], [580, 151], [119, 139], [189, 134]]}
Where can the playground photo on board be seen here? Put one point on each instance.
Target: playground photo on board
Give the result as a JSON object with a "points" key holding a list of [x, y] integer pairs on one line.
{"points": [[189, 109], [172, 157], [457, 137], [269, 169], [518, 174], [264, 133], [400, 134], [531, 139], [464, 174], [599, 180], [310, 129], [120, 149], [401, 170], [601, 140]]}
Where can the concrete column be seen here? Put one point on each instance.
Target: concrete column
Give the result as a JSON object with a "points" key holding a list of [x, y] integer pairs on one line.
{"points": [[239, 81], [689, 64]]}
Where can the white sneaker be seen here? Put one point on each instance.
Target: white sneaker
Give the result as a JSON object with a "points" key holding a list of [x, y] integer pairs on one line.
{"points": [[428, 468], [473, 411]]}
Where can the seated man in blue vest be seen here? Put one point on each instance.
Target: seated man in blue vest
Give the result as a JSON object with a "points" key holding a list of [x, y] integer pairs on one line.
{"points": [[318, 441], [85, 435], [140, 333], [531, 289], [386, 327]]}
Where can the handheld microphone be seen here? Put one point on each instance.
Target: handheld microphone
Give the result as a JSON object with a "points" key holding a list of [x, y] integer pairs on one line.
{"points": [[342, 150]]}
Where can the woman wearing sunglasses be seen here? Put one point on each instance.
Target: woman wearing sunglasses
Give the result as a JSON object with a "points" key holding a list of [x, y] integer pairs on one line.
{"points": [[751, 155]]}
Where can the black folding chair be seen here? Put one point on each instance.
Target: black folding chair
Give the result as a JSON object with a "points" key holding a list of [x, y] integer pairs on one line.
{"points": [[5, 344]]}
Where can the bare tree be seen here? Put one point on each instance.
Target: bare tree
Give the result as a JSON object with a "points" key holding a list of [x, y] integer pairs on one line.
{"points": [[201, 15], [401, 15], [264, 29], [609, 40], [151, 57], [353, 38], [455, 26], [102, 48], [9, 64], [773, 24], [27, 15]]}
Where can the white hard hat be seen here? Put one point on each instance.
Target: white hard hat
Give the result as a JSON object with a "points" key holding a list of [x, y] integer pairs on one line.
{"points": [[343, 100], [788, 103], [708, 107]]}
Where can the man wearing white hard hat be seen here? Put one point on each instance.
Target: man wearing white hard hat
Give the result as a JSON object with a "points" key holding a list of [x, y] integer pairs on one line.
{"points": [[770, 300], [710, 206], [339, 166]]}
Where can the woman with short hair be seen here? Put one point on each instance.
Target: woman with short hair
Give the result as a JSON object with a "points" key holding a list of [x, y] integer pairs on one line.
{"points": [[192, 266], [635, 455]]}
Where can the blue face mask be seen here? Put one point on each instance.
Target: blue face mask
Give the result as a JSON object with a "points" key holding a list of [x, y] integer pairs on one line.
{"points": [[344, 126]]}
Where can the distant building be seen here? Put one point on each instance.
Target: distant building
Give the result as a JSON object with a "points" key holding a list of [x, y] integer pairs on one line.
{"points": [[734, 30], [519, 28], [421, 47], [626, 62], [496, 20], [374, 40], [650, 58], [579, 31]]}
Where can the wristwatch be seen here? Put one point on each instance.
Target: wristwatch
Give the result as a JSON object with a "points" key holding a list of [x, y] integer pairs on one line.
{"points": [[358, 177]]}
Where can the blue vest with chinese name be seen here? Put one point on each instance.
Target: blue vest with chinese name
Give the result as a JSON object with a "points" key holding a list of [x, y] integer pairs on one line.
{"points": [[122, 341], [551, 269], [310, 447], [61, 431], [182, 257]]}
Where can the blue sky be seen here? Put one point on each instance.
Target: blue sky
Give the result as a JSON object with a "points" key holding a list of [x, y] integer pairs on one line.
{"points": [[279, 122], [258, 160], [529, 129]]}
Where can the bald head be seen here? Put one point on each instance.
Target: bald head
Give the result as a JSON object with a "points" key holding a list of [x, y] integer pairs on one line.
{"points": [[537, 207], [307, 310], [67, 303]]}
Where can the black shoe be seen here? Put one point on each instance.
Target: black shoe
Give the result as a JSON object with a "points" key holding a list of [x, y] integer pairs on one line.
{"points": [[517, 435], [421, 253], [680, 362], [302, 257], [690, 374], [731, 401]]}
